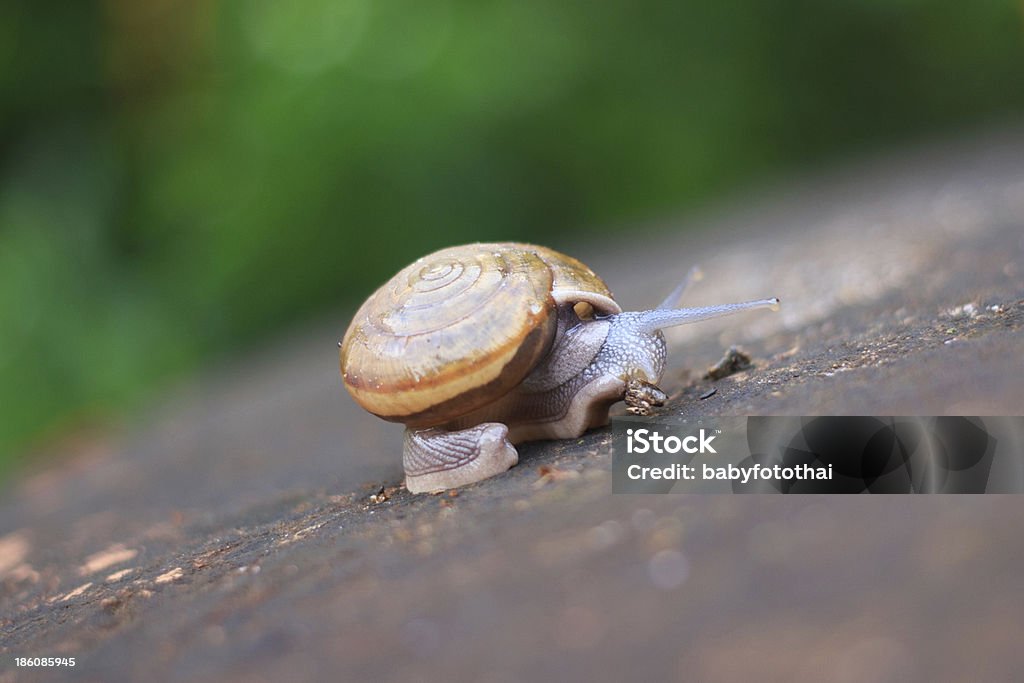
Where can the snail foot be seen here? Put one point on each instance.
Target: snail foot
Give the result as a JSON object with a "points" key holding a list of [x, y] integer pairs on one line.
{"points": [[437, 459]]}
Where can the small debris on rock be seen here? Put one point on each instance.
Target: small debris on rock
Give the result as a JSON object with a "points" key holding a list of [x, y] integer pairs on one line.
{"points": [[169, 576], [383, 494], [708, 394], [732, 362], [789, 353], [549, 474], [968, 310], [111, 604]]}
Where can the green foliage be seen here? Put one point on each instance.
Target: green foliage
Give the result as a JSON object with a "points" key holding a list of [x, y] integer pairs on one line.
{"points": [[179, 178]]}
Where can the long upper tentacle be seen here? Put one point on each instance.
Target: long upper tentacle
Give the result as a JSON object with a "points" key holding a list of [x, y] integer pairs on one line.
{"points": [[673, 299], [661, 318]]}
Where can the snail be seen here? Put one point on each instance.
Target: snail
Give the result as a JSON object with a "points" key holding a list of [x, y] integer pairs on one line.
{"points": [[478, 347]]}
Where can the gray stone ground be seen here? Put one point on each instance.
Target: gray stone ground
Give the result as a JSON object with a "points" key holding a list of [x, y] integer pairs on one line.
{"points": [[230, 535]]}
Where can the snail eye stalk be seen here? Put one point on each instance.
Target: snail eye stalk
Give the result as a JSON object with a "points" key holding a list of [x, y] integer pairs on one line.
{"points": [[660, 318]]}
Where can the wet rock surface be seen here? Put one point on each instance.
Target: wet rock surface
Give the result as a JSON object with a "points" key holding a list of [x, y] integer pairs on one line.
{"points": [[252, 528]]}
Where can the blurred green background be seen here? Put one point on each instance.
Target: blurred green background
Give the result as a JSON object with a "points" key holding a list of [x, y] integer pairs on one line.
{"points": [[179, 178]]}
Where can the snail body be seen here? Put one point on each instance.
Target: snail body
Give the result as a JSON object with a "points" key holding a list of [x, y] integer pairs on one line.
{"points": [[478, 347]]}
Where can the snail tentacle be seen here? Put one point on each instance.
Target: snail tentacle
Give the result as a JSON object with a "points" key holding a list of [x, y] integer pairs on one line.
{"points": [[660, 318], [672, 300]]}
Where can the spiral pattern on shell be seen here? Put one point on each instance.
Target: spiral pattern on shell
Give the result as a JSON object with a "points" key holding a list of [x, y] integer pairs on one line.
{"points": [[449, 333]]}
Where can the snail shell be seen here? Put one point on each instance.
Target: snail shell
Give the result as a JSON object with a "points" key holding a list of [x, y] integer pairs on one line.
{"points": [[457, 329]]}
